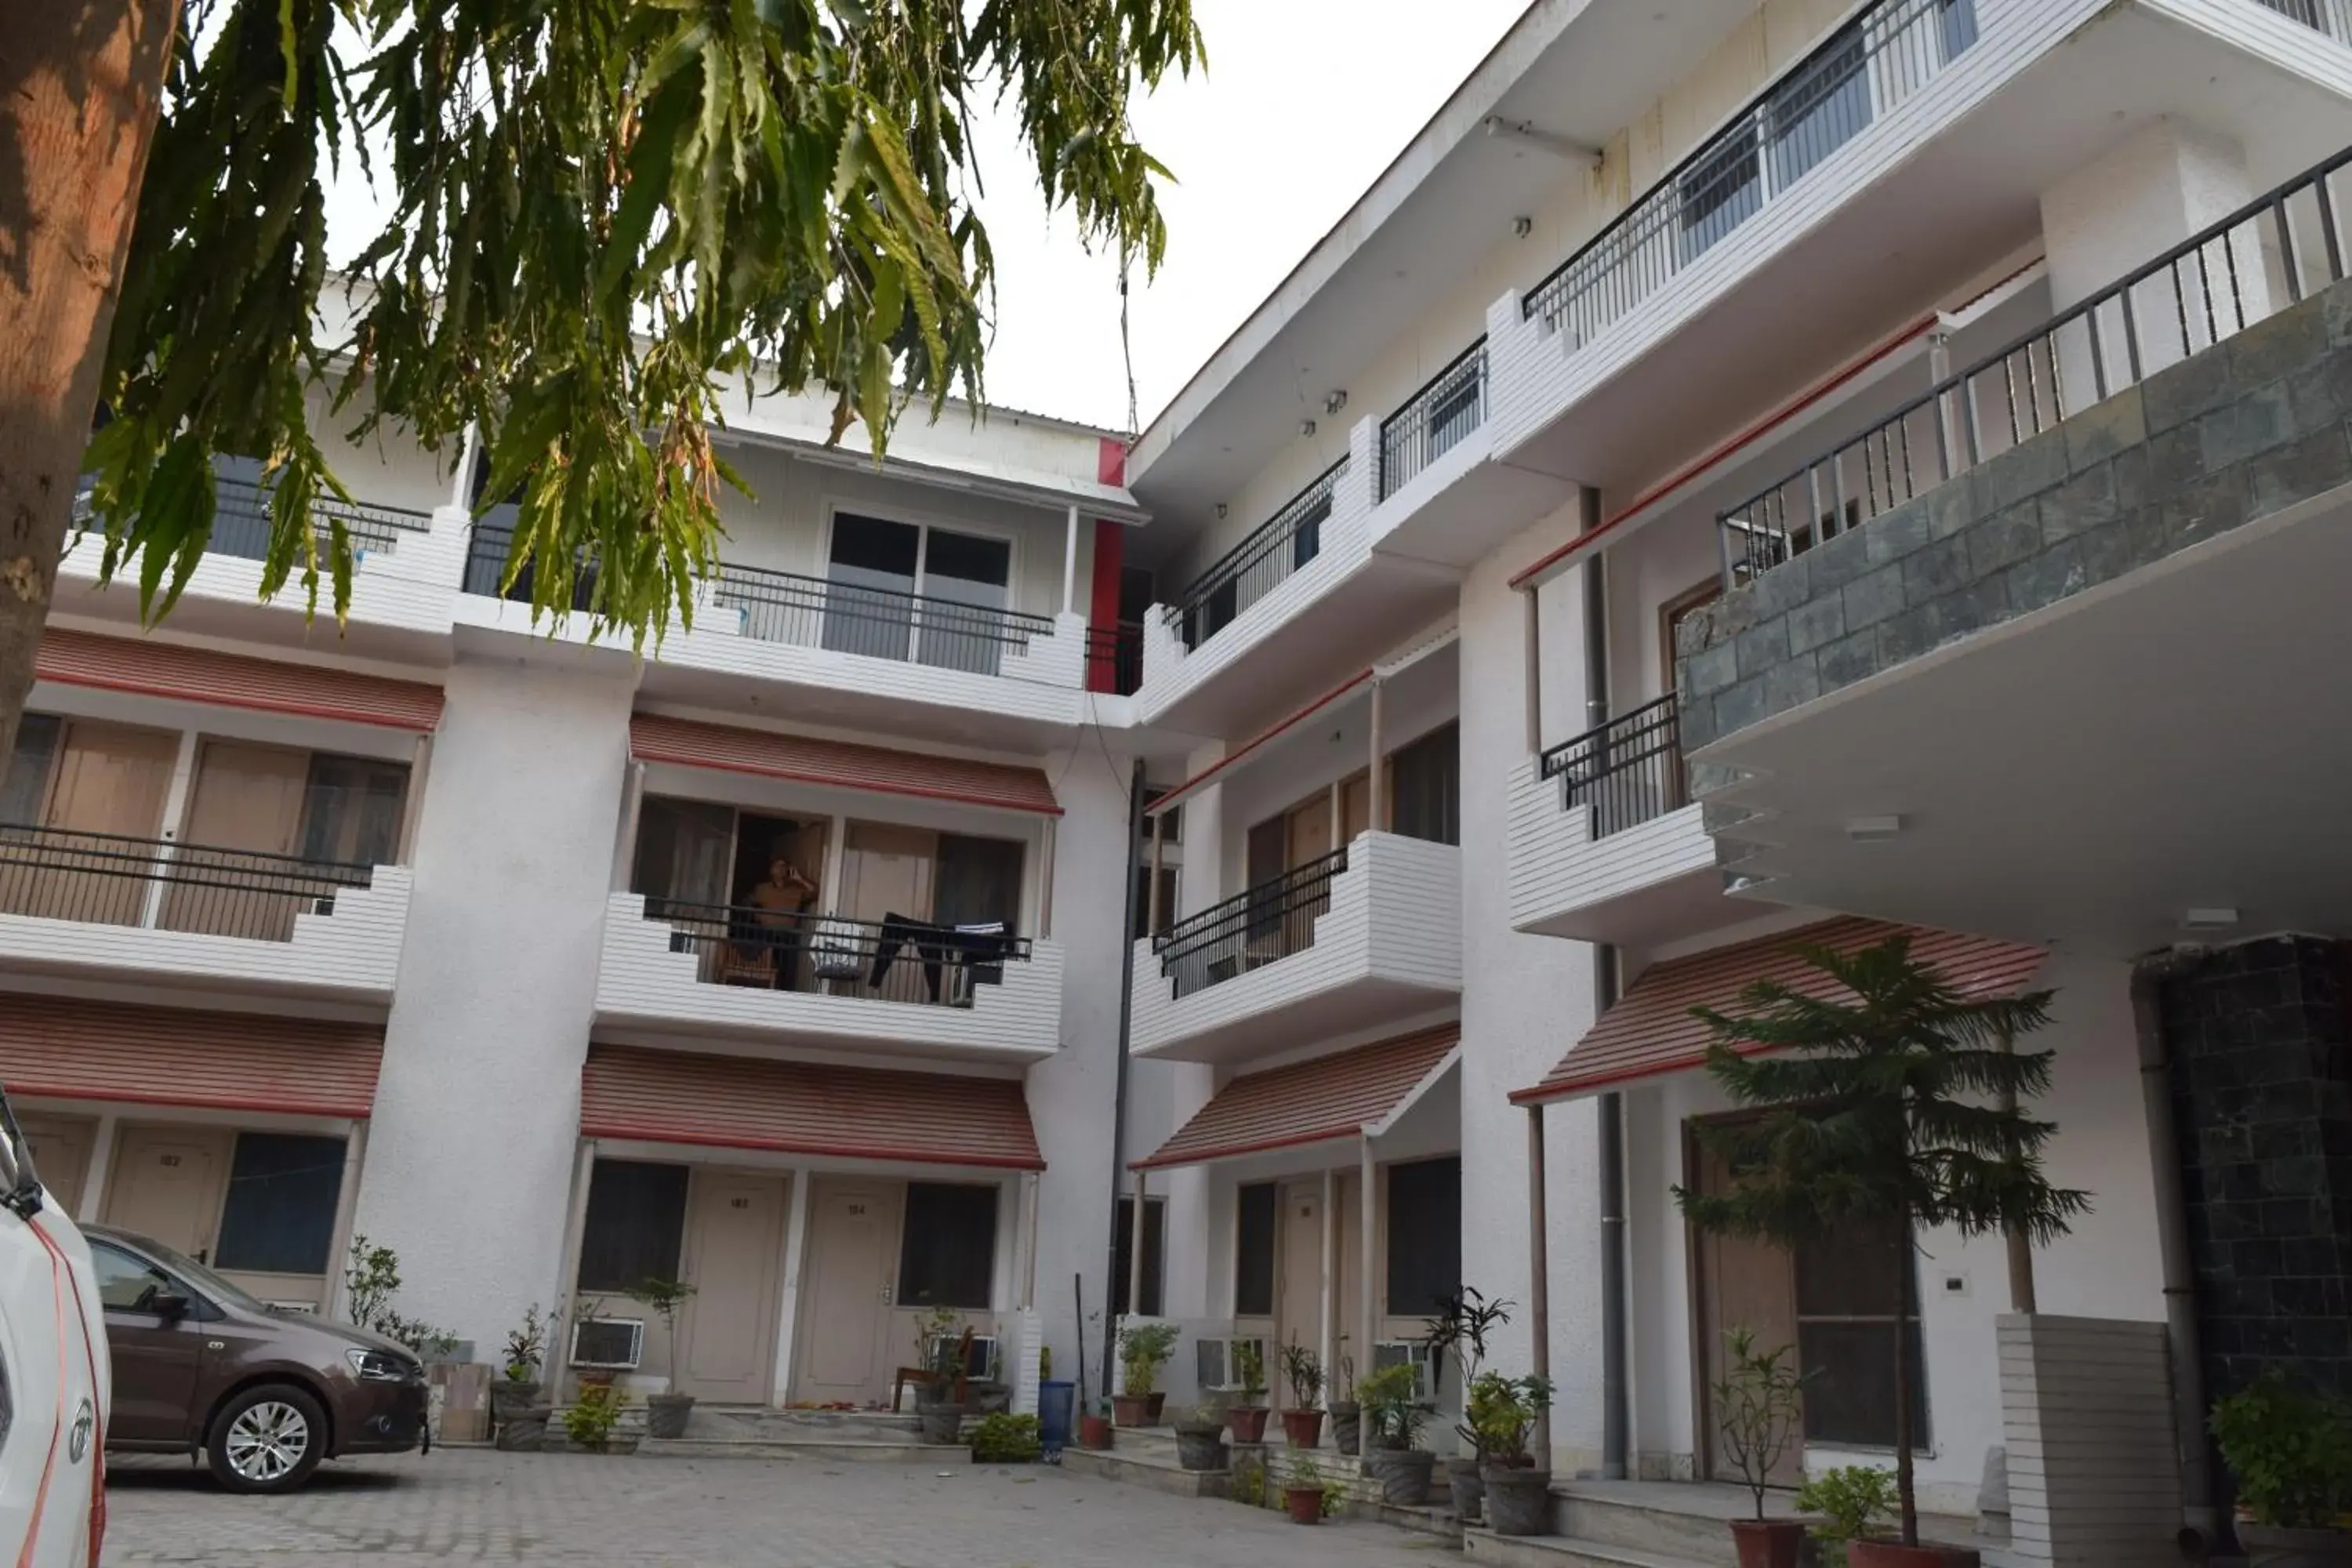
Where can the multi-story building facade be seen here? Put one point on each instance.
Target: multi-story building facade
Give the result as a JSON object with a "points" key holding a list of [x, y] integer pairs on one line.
{"points": [[1521, 630]]}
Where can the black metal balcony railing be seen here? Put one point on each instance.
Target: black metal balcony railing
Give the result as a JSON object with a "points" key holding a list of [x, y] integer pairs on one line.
{"points": [[2210, 287], [1115, 657], [1452, 405], [1863, 70], [106, 878], [2333, 17], [241, 519], [881, 623], [1250, 570], [1251, 929], [1629, 770], [486, 564], [891, 960]]}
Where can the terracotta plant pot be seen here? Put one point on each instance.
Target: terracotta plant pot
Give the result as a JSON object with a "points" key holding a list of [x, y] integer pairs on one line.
{"points": [[1248, 1422], [1305, 1503], [666, 1414], [1465, 1488], [1130, 1409], [1519, 1500], [2270, 1546], [1302, 1428], [1891, 1555], [1348, 1427], [1769, 1543], [1094, 1432]]}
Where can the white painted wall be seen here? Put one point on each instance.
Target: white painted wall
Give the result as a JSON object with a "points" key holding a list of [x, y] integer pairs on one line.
{"points": [[470, 1159]]}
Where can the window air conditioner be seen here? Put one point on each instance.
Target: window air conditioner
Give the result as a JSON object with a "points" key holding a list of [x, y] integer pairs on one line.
{"points": [[612, 1344], [1412, 1352], [981, 1365]]}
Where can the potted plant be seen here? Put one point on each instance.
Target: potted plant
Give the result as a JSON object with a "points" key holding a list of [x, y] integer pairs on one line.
{"points": [[1302, 1423], [1852, 1501], [2291, 1452], [1143, 1350], [1347, 1415], [1095, 1427], [938, 1350], [1201, 1438], [1393, 1416], [1309, 1494], [1500, 1412], [666, 1412], [1888, 1099], [1459, 1331], [518, 1391], [1004, 1438], [1757, 1402], [588, 1424], [1246, 1413]]}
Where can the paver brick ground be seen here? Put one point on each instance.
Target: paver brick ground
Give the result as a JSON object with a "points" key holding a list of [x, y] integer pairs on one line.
{"points": [[585, 1512]]}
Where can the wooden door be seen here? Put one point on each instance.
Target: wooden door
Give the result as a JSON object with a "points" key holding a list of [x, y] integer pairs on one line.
{"points": [[1297, 1279], [247, 806], [167, 1185], [60, 1146], [888, 872], [845, 1350], [726, 1349], [104, 811], [1309, 831], [1355, 807], [1740, 1283]]}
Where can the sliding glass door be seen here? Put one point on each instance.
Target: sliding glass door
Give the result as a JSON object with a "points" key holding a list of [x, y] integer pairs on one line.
{"points": [[909, 591]]}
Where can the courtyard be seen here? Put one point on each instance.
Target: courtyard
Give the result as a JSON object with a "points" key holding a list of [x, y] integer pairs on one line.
{"points": [[484, 1506]]}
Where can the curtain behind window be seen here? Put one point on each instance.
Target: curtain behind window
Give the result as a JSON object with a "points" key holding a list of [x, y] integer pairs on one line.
{"points": [[978, 880], [279, 1215], [1426, 777], [351, 809], [947, 1251], [683, 851], [635, 1226], [26, 785]]}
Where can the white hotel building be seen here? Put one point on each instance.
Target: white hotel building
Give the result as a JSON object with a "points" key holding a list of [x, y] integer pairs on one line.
{"points": [[1742, 470]]}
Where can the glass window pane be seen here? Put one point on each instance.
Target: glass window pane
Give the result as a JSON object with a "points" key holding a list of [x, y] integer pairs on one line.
{"points": [[1254, 1254], [947, 1253], [870, 608], [279, 1215], [352, 810], [1720, 191], [1426, 777], [979, 881], [124, 1283], [1850, 1273], [25, 784], [635, 1224], [682, 851], [959, 570], [1819, 109], [1849, 1384], [1424, 1235]]}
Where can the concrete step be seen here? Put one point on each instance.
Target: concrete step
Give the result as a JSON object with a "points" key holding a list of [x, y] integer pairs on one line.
{"points": [[1140, 1466], [1687, 1524], [1481, 1545], [805, 1451], [731, 1423]]}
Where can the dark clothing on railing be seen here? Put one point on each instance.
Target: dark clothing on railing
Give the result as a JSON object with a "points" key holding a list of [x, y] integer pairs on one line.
{"points": [[981, 950]]}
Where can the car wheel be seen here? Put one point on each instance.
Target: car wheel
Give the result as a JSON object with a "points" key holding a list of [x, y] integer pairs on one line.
{"points": [[266, 1440]]}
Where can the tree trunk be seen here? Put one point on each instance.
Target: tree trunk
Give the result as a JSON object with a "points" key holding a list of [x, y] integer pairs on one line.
{"points": [[1904, 1488], [80, 85]]}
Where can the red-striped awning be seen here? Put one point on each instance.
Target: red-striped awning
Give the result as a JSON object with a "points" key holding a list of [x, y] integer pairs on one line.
{"points": [[233, 680], [806, 1107], [842, 764], [1651, 1032], [1315, 1102], [61, 1048]]}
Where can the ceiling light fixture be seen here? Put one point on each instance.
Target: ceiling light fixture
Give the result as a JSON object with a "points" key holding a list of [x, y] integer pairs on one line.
{"points": [[1335, 400], [1871, 829]]}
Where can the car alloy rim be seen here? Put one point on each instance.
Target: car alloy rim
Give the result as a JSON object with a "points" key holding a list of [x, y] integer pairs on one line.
{"points": [[267, 1440]]}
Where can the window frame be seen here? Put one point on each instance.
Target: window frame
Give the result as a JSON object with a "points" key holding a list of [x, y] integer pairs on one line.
{"points": [[685, 1179], [902, 1294]]}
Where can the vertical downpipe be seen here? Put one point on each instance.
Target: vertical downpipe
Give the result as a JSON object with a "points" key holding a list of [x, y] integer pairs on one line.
{"points": [[1119, 1099], [1610, 1109], [2172, 1249]]}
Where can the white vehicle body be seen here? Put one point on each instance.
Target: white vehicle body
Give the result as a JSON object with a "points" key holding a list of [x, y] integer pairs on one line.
{"points": [[55, 1377]]}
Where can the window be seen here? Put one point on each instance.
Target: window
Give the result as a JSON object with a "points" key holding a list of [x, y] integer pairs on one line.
{"points": [[1155, 1255], [26, 786], [1254, 1209], [978, 881], [1143, 899], [351, 808], [1720, 191], [127, 1284], [879, 568], [635, 1224], [1426, 780], [279, 1215], [1424, 1235], [947, 1253], [1823, 105], [1845, 1318], [682, 852]]}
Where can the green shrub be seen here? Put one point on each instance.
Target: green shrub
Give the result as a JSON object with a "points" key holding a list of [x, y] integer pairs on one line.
{"points": [[591, 1419], [2291, 1451], [1852, 1500], [1004, 1439]]}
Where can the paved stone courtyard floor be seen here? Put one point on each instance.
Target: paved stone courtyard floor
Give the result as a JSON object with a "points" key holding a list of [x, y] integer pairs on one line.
{"points": [[477, 1506]]}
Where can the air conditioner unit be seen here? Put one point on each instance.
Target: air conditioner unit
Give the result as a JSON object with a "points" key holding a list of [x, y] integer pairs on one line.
{"points": [[1212, 1363], [981, 1365], [1409, 1352], [611, 1343]]}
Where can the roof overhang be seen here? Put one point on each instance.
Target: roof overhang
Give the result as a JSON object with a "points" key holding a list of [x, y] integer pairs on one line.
{"points": [[1361, 1092]]}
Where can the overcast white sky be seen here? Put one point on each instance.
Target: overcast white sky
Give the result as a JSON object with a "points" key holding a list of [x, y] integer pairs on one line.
{"points": [[1304, 103]]}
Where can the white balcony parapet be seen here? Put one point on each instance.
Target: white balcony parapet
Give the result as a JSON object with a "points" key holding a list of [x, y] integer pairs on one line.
{"points": [[655, 974], [1367, 934]]}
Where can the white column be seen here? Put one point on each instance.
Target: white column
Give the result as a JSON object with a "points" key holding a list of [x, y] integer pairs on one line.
{"points": [[176, 810], [1331, 1324], [101, 1161], [347, 1201], [1029, 1185], [567, 1294], [1364, 1212], [461, 483], [1377, 819], [624, 846], [1539, 1278], [1135, 1249], [420, 766], [788, 1300], [1070, 563], [836, 846]]}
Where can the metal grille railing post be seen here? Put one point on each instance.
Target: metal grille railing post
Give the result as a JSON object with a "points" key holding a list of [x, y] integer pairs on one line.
{"points": [[107, 879], [1259, 926], [1265, 559], [897, 960], [1435, 419], [1629, 771]]}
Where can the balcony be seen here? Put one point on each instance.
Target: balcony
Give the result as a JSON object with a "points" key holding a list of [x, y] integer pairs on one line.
{"points": [[150, 910], [2041, 664], [2332, 17], [900, 987], [1365, 935], [1606, 844]]}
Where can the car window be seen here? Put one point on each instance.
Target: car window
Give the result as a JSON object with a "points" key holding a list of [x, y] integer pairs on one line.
{"points": [[127, 1284]]}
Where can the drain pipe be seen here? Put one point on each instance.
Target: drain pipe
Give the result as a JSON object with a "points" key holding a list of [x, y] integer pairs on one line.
{"points": [[1119, 1097], [1610, 1111], [2197, 1532]]}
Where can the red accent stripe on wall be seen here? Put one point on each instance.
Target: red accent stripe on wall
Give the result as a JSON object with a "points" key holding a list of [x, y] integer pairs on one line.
{"points": [[1307, 1103], [843, 764], [1102, 606], [63, 1047], [233, 680], [1110, 460], [806, 1107], [1651, 1032]]}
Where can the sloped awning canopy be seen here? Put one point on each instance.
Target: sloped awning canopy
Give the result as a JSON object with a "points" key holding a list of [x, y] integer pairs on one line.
{"points": [[59, 1047], [806, 1107], [841, 764], [233, 680], [1650, 1033], [1347, 1094]]}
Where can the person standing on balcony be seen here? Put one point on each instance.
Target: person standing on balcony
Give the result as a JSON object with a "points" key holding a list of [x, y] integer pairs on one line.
{"points": [[781, 905]]}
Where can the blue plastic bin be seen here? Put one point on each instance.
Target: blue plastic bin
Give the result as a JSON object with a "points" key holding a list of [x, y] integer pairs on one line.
{"points": [[1056, 1404]]}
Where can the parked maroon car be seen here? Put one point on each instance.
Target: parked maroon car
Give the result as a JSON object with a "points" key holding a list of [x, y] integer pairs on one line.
{"points": [[202, 1368]]}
